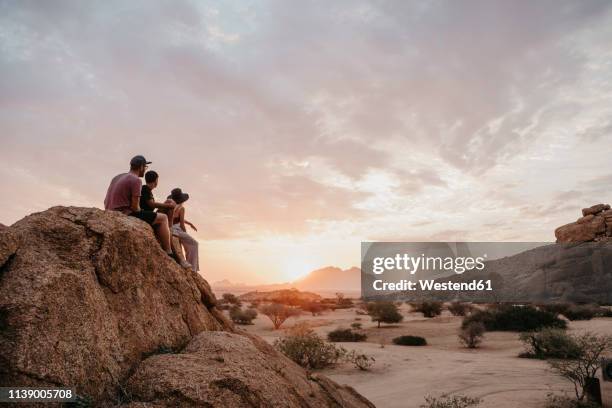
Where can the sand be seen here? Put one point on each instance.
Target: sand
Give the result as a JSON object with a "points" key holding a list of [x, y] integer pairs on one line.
{"points": [[402, 376]]}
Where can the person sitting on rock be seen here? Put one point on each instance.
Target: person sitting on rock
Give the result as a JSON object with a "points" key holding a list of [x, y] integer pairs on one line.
{"points": [[124, 194], [179, 230], [147, 201]]}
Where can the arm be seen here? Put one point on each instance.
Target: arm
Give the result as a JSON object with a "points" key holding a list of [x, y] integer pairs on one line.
{"points": [[135, 204], [191, 225], [182, 218], [164, 206]]}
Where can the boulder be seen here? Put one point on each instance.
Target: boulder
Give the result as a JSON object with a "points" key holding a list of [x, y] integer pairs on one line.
{"points": [[584, 219], [216, 370], [87, 298], [581, 231], [595, 209]]}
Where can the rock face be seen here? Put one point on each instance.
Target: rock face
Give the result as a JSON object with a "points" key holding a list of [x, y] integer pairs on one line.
{"points": [[89, 300], [594, 225]]}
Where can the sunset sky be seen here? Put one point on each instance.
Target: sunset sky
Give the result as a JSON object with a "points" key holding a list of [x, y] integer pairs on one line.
{"points": [[302, 128]]}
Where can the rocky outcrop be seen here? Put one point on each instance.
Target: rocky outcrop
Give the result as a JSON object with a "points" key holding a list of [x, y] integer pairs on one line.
{"points": [[89, 300], [210, 372], [594, 225]]}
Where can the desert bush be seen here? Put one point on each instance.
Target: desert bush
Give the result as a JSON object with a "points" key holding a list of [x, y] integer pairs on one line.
{"points": [[563, 401], [472, 334], [514, 318], [278, 313], [582, 369], [360, 360], [604, 312], [428, 308], [345, 335], [230, 298], [451, 401], [342, 302], [581, 312], [315, 308], [240, 316], [410, 341], [549, 343], [384, 312], [459, 308], [356, 325], [576, 312], [307, 349]]}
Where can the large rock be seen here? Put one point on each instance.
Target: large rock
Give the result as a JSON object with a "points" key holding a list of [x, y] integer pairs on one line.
{"points": [[87, 295], [217, 370], [582, 231], [597, 208]]}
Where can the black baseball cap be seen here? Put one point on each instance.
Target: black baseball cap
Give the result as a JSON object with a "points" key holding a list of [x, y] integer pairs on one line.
{"points": [[139, 160]]}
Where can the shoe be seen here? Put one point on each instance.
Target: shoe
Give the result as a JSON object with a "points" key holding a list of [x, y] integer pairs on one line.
{"points": [[186, 265], [174, 257]]}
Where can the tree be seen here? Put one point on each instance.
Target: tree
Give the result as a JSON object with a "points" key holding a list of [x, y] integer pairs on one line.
{"points": [[581, 370], [278, 313], [385, 312]]}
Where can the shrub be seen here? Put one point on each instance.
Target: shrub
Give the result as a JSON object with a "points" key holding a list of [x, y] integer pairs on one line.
{"points": [[581, 312], [356, 325], [342, 302], [575, 312], [309, 350], [278, 313], [549, 343], [581, 370], [230, 298], [345, 335], [429, 308], [557, 401], [410, 341], [459, 308], [472, 334], [315, 308], [604, 312], [453, 401], [385, 312], [361, 361], [240, 316], [514, 318]]}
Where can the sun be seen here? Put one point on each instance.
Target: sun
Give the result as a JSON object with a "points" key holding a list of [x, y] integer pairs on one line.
{"points": [[296, 267]]}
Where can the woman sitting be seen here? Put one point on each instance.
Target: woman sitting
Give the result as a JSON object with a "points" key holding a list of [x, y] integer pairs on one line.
{"points": [[179, 230]]}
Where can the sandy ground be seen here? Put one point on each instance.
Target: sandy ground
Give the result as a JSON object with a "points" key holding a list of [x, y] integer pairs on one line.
{"points": [[402, 376]]}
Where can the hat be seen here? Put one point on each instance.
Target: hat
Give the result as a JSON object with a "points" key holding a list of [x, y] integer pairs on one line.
{"points": [[178, 196], [139, 160]]}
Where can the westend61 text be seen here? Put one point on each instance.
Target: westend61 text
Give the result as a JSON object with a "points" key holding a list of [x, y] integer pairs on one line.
{"points": [[405, 285]]}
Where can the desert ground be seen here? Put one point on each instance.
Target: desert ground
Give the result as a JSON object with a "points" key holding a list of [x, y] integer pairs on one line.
{"points": [[402, 376]]}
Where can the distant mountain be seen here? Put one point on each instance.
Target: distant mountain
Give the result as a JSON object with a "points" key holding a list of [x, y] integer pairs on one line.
{"points": [[331, 278], [325, 280], [579, 272]]}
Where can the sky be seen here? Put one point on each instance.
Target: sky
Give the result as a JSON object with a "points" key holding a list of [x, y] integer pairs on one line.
{"points": [[300, 129]]}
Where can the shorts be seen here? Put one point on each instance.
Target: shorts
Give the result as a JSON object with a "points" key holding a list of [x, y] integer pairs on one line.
{"points": [[145, 215]]}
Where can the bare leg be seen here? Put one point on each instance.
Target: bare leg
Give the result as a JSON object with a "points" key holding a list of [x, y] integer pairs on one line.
{"points": [[162, 231]]}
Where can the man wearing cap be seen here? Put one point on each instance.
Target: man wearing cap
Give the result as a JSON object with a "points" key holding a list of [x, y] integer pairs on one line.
{"points": [[123, 195]]}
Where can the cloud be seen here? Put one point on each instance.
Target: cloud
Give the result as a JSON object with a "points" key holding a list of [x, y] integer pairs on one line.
{"points": [[361, 117]]}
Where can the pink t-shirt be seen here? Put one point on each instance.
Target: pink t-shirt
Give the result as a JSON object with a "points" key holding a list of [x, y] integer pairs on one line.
{"points": [[120, 192]]}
